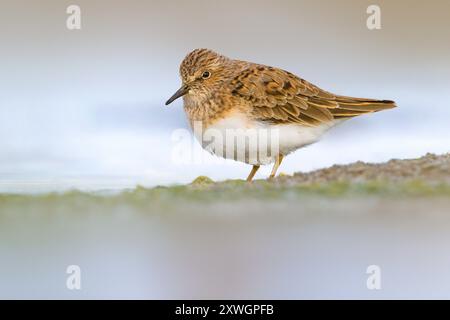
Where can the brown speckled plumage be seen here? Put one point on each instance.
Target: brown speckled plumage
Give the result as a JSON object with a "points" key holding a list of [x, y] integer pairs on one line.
{"points": [[263, 93]]}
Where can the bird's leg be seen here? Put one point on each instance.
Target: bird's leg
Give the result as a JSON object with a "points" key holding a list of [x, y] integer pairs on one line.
{"points": [[252, 173], [276, 165]]}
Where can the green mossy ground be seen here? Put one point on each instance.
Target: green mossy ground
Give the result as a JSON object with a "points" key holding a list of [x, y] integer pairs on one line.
{"points": [[425, 177], [235, 190]]}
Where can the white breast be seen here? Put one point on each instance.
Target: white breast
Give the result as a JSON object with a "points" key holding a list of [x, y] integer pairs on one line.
{"points": [[256, 142]]}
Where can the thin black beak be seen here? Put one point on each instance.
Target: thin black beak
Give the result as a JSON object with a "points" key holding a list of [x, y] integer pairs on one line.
{"points": [[181, 92]]}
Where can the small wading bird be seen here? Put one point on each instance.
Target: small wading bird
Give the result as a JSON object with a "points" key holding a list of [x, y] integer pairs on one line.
{"points": [[226, 94]]}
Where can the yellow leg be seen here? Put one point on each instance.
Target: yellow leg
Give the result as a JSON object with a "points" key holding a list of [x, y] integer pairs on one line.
{"points": [[252, 173], [276, 166]]}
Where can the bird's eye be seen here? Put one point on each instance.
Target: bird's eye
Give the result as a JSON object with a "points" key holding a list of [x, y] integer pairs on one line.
{"points": [[206, 75]]}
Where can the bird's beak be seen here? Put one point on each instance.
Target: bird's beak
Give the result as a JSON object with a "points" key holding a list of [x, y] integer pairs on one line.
{"points": [[181, 92]]}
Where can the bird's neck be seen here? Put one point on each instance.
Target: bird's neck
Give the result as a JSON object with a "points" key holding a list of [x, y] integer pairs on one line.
{"points": [[204, 109]]}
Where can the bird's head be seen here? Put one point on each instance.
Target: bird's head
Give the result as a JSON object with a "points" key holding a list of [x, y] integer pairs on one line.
{"points": [[202, 72]]}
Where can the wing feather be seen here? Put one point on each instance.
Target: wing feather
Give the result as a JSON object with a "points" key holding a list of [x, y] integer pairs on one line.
{"points": [[279, 96]]}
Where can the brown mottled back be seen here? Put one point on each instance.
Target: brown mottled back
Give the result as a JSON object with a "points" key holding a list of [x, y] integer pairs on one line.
{"points": [[264, 93]]}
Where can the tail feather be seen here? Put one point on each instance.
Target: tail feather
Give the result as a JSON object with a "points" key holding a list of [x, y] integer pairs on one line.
{"points": [[351, 107]]}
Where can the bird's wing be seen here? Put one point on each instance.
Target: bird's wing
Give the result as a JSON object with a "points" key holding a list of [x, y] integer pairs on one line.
{"points": [[279, 96]]}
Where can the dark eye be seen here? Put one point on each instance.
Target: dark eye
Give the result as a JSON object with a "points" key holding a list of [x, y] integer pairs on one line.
{"points": [[206, 75]]}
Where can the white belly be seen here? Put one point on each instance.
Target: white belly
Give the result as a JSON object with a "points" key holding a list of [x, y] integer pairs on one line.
{"points": [[256, 142]]}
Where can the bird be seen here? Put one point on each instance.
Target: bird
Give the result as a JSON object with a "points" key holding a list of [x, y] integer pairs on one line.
{"points": [[223, 95]]}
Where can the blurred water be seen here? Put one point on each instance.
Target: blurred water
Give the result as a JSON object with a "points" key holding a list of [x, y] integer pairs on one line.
{"points": [[313, 248]]}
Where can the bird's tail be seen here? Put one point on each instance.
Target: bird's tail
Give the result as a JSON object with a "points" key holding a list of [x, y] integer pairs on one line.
{"points": [[352, 107]]}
